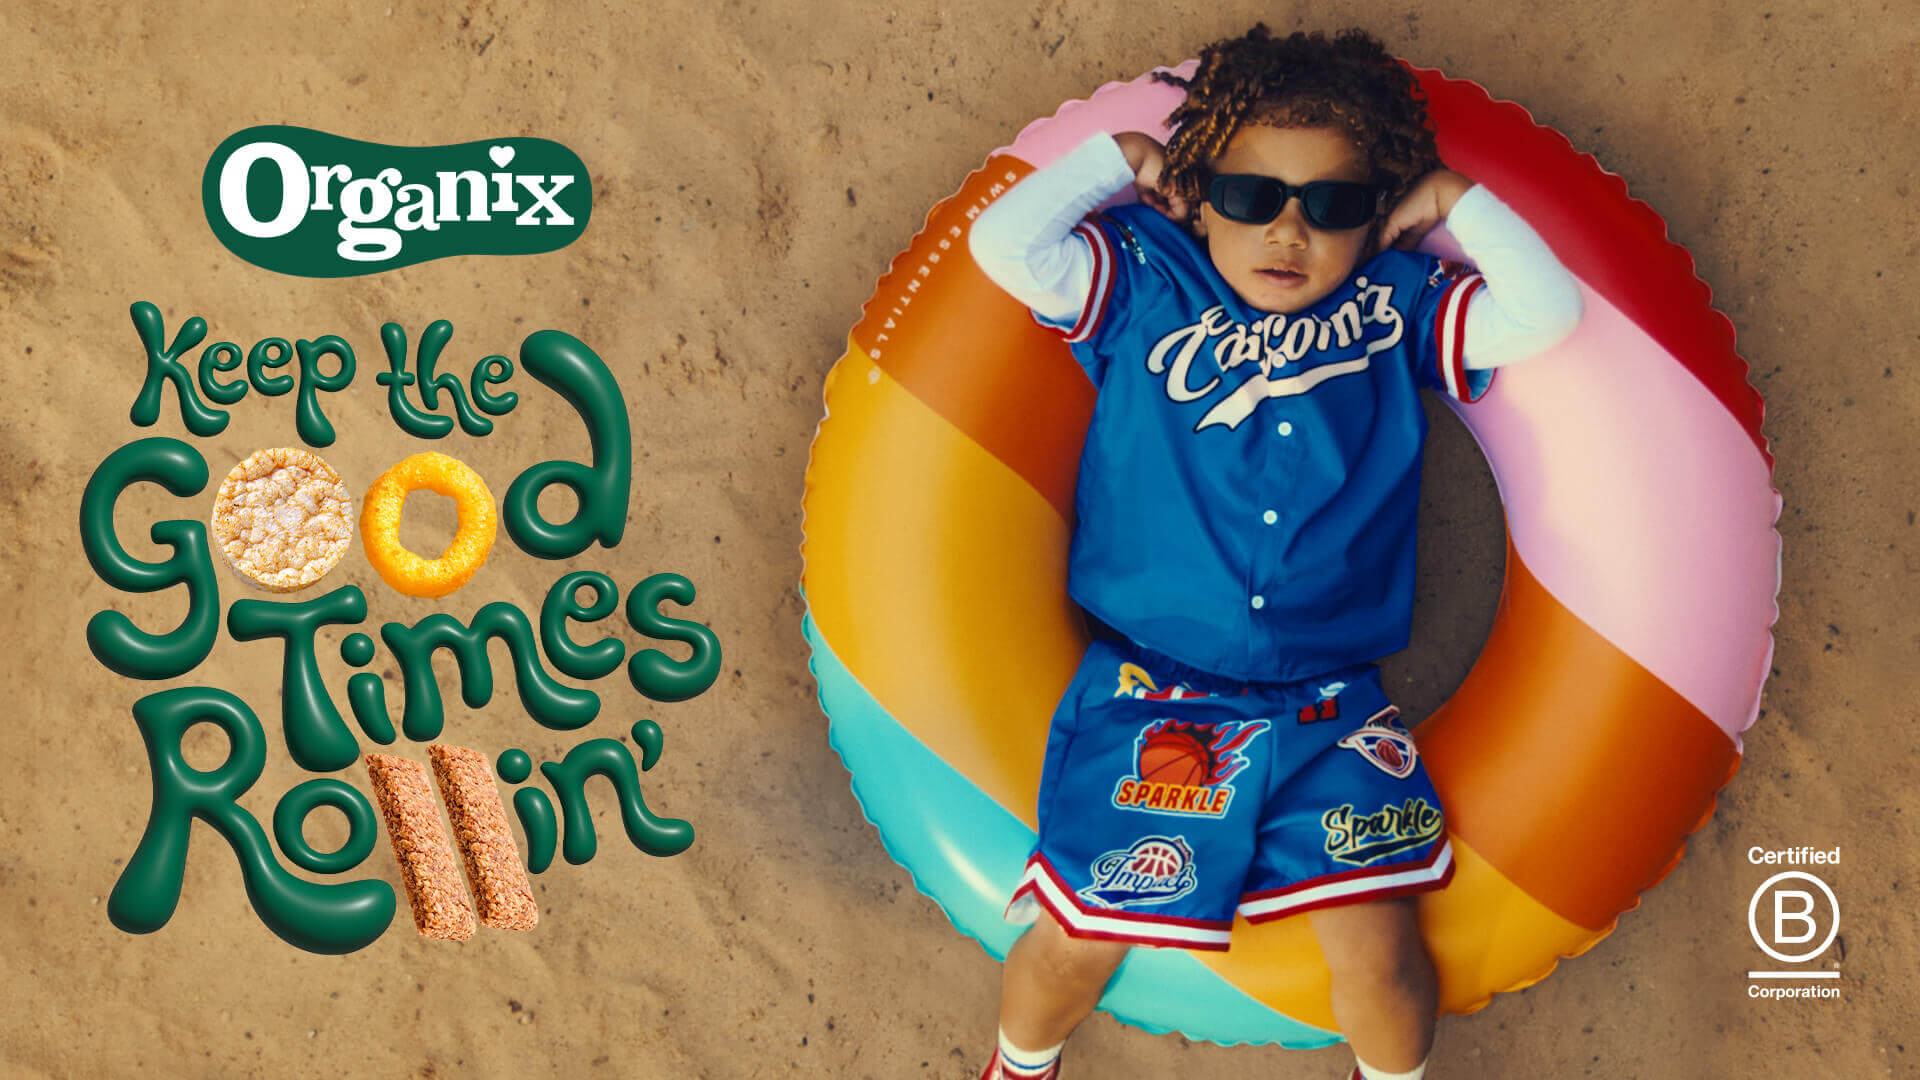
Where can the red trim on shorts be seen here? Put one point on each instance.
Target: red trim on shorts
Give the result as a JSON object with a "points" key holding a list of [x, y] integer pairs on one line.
{"points": [[1359, 896], [1074, 916]]}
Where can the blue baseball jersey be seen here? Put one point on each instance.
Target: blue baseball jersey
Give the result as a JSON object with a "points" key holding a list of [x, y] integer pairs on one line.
{"points": [[1250, 482]]}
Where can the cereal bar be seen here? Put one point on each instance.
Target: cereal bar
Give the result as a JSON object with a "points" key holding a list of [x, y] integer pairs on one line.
{"points": [[500, 887], [427, 870]]}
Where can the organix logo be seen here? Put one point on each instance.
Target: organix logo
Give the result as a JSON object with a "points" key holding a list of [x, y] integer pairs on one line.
{"points": [[304, 202]]}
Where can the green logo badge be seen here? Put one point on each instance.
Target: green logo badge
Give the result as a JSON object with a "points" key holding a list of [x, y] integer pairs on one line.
{"points": [[303, 202]]}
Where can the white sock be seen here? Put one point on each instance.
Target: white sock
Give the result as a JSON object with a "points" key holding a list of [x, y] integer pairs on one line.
{"points": [[1371, 1073], [1017, 1062]]}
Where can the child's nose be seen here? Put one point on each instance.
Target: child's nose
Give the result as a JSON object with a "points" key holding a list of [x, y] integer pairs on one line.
{"points": [[1290, 227]]}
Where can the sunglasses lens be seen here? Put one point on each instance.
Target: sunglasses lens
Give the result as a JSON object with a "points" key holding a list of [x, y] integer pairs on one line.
{"points": [[1252, 199], [1338, 205], [1257, 200]]}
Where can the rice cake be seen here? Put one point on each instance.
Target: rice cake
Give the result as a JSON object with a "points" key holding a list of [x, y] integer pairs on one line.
{"points": [[283, 518]]}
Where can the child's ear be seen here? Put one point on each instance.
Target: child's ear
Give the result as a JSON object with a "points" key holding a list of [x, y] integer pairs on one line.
{"points": [[1197, 225]]}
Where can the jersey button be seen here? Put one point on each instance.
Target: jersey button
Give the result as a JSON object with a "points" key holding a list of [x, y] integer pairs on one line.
{"points": [[1269, 517], [1259, 602], [1286, 427]]}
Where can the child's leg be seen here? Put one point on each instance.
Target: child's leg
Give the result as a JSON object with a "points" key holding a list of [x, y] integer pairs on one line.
{"points": [[1385, 993], [1113, 868], [1051, 982], [1349, 839]]}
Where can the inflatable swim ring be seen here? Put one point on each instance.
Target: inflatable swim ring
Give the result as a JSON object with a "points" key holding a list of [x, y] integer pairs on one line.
{"points": [[1601, 718]]}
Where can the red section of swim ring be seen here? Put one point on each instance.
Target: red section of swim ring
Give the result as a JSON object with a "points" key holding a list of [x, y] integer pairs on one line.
{"points": [[1612, 241]]}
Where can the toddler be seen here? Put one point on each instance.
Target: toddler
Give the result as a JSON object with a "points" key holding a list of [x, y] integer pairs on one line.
{"points": [[1257, 328]]}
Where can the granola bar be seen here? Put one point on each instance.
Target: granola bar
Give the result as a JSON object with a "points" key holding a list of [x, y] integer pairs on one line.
{"points": [[500, 887], [427, 870]]}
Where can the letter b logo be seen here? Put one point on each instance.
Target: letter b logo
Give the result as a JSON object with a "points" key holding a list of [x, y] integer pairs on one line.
{"points": [[1798, 916], [1782, 918]]}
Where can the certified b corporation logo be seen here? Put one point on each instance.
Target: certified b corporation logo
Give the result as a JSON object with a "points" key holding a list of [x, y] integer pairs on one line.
{"points": [[1794, 918]]}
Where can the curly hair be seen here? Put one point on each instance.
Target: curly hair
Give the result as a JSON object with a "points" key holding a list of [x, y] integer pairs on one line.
{"points": [[1302, 80]]}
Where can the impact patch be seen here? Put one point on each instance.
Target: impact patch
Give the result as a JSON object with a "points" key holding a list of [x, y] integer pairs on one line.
{"points": [[1155, 870]]}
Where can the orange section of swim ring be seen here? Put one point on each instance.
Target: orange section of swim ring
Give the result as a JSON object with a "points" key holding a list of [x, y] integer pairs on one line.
{"points": [[1484, 932], [1568, 765], [970, 354]]}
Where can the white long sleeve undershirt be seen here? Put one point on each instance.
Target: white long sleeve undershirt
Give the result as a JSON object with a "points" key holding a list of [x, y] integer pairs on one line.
{"points": [[1023, 243]]}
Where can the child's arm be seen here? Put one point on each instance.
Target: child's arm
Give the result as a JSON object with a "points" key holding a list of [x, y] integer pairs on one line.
{"points": [[1024, 242], [1530, 303]]}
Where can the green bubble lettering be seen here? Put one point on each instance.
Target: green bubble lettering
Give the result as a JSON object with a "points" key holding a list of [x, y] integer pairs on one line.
{"points": [[163, 366], [551, 703], [538, 822], [290, 814], [488, 373], [222, 356], [268, 353], [611, 759], [514, 766], [308, 420], [330, 918], [563, 603], [124, 648], [577, 374], [317, 737], [653, 672], [367, 697], [426, 424], [396, 379], [357, 649]]}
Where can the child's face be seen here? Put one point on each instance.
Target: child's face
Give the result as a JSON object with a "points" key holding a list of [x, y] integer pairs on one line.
{"points": [[1253, 258]]}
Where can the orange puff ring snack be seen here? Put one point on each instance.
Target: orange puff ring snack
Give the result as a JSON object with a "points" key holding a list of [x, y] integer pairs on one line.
{"points": [[380, 525]]}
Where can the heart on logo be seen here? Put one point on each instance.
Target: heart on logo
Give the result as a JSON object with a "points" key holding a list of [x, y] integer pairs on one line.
{"points": [[500, 155]]}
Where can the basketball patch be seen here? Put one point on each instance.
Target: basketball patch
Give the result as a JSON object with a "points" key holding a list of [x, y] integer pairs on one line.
{"points": [[1187, 768], [1385, 743], [1155, 870]]}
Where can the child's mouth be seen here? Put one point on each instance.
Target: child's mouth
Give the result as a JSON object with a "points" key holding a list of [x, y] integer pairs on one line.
{"points": [[1284, 277]]}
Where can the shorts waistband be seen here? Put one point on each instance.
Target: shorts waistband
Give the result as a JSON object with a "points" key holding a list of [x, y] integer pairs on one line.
{"points": [[1163, 667]]}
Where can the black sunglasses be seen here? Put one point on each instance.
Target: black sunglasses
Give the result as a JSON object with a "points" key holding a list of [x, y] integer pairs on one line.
{"points": [[1327, 204]]}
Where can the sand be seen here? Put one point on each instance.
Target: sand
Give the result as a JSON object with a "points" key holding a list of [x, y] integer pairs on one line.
{"points": [[755, 168]]}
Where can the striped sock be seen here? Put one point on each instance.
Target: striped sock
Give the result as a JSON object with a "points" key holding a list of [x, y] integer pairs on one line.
{"points": [[1363, 1070], [1024, 1064]]}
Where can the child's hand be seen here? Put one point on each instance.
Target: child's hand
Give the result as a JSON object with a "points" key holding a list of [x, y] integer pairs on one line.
{"points": [[1425, 205], [1148, 160]]}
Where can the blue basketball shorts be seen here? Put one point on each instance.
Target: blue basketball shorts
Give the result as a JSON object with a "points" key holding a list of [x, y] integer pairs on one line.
{"points": [[1172, 800]]}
